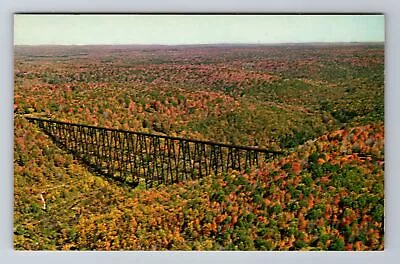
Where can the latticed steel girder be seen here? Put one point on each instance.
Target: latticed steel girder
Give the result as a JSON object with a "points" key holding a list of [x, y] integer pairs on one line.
{"points": [[130, 156]]}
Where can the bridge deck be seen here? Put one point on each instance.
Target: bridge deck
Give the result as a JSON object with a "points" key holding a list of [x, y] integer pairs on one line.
{"points": [[130, 156]]}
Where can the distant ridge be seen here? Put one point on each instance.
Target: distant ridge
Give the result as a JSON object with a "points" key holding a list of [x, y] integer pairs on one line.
{"points": [[208, 44]]}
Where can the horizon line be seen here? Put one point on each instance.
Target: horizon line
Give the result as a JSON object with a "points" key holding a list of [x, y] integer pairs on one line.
{"points": [[210, 44]]}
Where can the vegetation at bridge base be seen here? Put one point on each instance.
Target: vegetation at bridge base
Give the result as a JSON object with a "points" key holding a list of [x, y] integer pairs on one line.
{"points": [[322, 196], [323, 105]]}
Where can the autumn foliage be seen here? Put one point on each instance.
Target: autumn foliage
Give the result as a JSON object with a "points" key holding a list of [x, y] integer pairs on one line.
{"points": [[322, 105]]}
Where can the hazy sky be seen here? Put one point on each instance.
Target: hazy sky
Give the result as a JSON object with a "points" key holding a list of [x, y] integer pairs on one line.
{"points": [[195, 29]]}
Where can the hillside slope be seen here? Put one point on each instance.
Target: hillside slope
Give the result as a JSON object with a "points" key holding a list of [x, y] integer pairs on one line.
{"points": [[328, 194]]}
